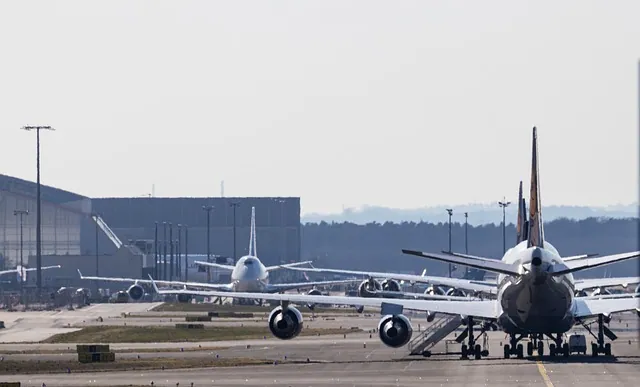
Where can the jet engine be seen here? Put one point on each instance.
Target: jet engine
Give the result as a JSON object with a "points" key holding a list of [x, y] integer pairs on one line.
{"points": [[313, 292], [286, 323], [367, 287], [433, 290], [582, 293], [390, 285], [184, 298], [136, 292], [456, 292], [395, 330]]}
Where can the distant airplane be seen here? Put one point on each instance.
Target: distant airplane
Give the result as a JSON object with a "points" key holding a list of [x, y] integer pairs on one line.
{"points": [[248, 275], [535, 297], [21, 271]]}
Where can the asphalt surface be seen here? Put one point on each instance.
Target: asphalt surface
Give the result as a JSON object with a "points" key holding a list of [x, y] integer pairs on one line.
{"points": [[356, 360]]}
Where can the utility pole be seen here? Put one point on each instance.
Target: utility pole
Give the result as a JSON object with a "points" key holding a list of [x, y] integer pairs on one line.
{"points": [[504, 203], [95, 219], [234, 205], [164, 251], [450, 212], [186, 253], [208, 209], [171, 251], [179, 253], [21, 214], [156, 251], [466, 245], [38, 209]]}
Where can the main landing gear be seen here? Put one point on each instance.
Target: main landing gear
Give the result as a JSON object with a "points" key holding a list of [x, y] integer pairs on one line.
{"points": [[600, 347], [472, 348], [558, 348], [535, 343]]}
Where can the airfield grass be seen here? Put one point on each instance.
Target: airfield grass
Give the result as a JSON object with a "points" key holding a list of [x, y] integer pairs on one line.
{"points": [[8, 367], [164, 334], [72, 349]]}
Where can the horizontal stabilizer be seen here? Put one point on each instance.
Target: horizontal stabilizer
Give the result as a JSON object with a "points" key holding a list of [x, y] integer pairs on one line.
{"points": [[589, 263], [477, 262]]}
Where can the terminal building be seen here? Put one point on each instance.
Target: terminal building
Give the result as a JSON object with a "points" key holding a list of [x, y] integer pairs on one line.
{"points": [[115, 236]]}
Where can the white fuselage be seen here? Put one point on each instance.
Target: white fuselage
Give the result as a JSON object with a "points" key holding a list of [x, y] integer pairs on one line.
{"points": [[535, 302], [249, 275]]}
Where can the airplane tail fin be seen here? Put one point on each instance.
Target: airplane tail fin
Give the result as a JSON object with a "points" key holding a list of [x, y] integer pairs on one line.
{"points": [[252, 235], [535, 235], [522, 218]]}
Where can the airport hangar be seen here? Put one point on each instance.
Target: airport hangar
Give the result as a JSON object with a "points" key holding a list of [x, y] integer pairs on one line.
{"points": [[126, 228]]}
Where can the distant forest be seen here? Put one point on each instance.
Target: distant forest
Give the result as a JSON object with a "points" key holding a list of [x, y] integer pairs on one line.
{"points": [[377, 246]]}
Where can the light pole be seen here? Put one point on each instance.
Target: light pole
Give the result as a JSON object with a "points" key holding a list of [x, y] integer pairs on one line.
{"points": [[450, 212], [21, 214], [156, 251], [38, 209], [186, 253], [466, 245], [95, 219], [179, 253], [208, 209], [171, 244], [234, 205], [504, 203], [164, 251]]}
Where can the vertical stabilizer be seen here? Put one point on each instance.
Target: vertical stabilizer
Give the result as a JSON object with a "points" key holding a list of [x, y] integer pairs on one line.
{"points": [[252, 235], [520, 225], [536, 232]]}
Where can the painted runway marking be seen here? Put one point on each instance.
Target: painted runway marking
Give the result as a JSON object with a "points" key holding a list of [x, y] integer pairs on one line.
{"points": [[544, 374], [407, 367]]}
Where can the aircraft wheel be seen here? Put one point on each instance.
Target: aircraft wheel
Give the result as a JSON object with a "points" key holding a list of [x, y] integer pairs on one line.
{"points": [[594, 350], [520, 349], [464, 352], [565, 349], [507, 351], [485, 353], [540, 348], [477, 351], [607, 349], [529, 348], [552, 349]]}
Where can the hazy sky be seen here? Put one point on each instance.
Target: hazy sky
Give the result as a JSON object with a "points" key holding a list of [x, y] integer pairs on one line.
{"points": [[343, 103]]}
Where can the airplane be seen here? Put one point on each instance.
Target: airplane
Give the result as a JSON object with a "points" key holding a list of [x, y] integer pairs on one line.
{"points": [[535, 297], [248, 275]]}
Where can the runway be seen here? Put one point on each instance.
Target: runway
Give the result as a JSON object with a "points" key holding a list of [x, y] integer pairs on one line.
{"points": [[354, 360]]}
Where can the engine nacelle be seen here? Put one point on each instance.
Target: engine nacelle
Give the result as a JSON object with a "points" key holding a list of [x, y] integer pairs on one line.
{"points": [[285, 324], [582, 293], [600, 291], [456, 293], [367, 287], [638, 288], [390, 285], [434, 290], [430, 316], [136, 292], [313, 292], [395, 330], [184, 298]]}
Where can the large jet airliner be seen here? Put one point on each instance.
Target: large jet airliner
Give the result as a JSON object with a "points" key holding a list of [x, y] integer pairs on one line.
{"points": [[21, 271], [248, 275], [535, 297]]}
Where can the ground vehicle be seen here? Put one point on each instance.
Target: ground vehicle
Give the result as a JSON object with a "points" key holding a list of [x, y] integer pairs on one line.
{"points": [[577, 343]]}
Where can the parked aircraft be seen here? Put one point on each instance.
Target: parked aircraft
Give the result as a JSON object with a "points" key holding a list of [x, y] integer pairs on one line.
{"points": [[535, 297], [21, 271], [248, 275]]}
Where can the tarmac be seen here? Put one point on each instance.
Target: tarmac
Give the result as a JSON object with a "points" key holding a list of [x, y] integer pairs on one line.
{"points": [[356, 360]]}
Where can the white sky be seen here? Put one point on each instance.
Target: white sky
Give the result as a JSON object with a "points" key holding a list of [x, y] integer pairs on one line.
{"points": [[392, 103]]}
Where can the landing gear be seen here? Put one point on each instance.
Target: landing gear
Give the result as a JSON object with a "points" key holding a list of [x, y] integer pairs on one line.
{"points": [[557, 347], [514, 348], [600, 347], [471, 348]]}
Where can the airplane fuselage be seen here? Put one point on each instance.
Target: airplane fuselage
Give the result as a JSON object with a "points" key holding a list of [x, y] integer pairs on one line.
{"points": [[249, 275], [535, 302]]}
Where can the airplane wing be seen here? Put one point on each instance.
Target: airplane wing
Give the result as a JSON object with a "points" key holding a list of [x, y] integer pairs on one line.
{"points": [[585, 308], [391, 294], [17, 269], [216, 265], [220, 287], [588, 263], [481, 309], [471, 261], [274, 288], [286, 265], [603, 282], [478, 286], [576, 257]]}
